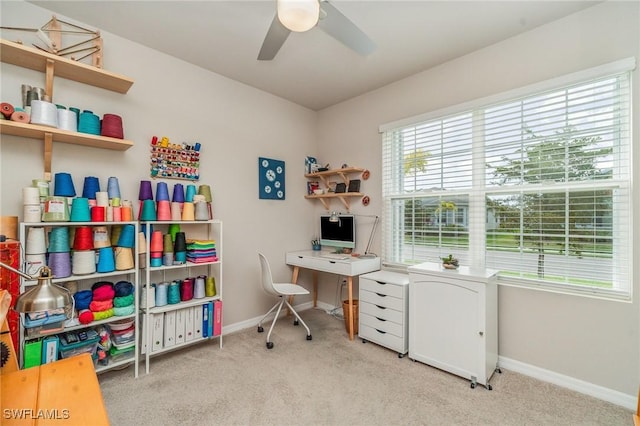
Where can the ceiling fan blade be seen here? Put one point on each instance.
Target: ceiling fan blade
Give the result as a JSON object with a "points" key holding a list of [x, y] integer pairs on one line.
{"points": [[274, 40], [342, 29]]}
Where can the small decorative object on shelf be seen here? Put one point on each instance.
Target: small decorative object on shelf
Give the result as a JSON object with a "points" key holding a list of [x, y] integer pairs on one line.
{"points": [[450, 262]]}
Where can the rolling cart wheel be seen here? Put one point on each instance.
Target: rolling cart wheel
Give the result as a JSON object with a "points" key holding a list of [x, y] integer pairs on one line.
{"points": [[498, 370], [269, 345], [473, 385], [260, 329], [489, 387], [296, 322], [400, 355], [309, 337], [364, 340]]}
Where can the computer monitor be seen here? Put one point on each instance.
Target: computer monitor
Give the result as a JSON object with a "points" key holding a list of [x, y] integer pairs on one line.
{"points": [[341, 234]]}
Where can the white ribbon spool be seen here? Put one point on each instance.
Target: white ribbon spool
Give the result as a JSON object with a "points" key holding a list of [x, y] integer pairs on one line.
{"points": [[30, 195], [44, 113], [84, 262], [31, 213], [67, 120]]}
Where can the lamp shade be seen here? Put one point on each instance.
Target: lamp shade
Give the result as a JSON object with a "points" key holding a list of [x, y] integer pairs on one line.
{"points": [[45, 296], [298, 15]]}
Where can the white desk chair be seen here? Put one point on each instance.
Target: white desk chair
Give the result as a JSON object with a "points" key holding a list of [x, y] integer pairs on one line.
{"points": [[283, 291]]}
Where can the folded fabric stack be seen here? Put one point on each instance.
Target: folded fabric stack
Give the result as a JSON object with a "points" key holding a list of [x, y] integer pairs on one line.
{"points": [[123, 302], [201, 251]]}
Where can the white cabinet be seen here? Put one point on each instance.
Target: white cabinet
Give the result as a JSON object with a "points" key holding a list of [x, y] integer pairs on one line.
{"points": [[383, 316], [176, 325], [84, 282], [453, 320]]}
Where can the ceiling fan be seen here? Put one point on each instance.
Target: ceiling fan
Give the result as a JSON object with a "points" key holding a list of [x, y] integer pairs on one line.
{"points": [[303, 15]]}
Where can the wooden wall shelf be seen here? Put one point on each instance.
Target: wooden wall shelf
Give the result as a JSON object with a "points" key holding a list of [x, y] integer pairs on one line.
{"points": [[32, 58], [344, 197]]}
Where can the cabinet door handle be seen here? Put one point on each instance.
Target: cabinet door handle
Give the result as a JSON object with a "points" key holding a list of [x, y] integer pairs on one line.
{"points": [[380, 307], [381, 295], [381, 319]]}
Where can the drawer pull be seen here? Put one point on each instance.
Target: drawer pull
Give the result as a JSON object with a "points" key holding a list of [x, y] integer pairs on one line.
{"points": [[380, 307], [380, 331], [381, 283], [332, 261], [300, 257], [381, 319], [381, 295]]}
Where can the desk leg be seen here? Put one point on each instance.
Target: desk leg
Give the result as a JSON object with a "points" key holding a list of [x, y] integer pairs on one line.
{"points": [[315, 289], [351, 319]]}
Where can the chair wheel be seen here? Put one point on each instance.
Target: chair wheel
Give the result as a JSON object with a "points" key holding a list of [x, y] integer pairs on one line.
{"points": [[309, 337], [296, 322], [269, 345], [260, 329]]}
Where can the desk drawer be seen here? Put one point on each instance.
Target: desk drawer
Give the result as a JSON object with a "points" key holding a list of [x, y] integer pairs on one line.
{"points": [[382, 312], [339, 267], [398, 344], [382, 325], [382, 300], [380, 287]]}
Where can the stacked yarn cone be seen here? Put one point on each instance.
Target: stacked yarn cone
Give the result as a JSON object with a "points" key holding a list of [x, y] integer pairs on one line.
{"points": [[183, 206], [84, 258], [59, 252], [112, 126], [35, 250], [155, 247], [102, 242], [31, 204], [124, 248]]}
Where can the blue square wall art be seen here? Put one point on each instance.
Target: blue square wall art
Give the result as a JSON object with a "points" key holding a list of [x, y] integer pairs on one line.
{"points": [[271, 179]]}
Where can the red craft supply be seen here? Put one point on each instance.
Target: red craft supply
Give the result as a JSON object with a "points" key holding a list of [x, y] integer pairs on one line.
{"points": [[97, 214], [154, 140], [102, 294], [83, 239], [112, 126], [6, 109], [85, 316], [20, 117]]}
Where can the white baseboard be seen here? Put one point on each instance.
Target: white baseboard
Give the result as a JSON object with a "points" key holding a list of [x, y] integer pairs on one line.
{"points": [[253, 322], [605, 394]]}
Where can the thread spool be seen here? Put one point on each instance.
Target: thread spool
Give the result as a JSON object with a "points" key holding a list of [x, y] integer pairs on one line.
{"points": [[127, 236], [106, 260], [20, 117], [148, 296], [167, 245], [102, 198], [84, 262], [63, 185], [162, 191], [91, 187], [176, 211], [191, 191], [89, 123], [178, 193], [124, 258], [77, 112], [115, 201], [80, 211], [109, 214], [188, 211], [42, 185], [113, 187], [167, 259], [201, 211], [148, 211], [145, 192], [33, 263], [164, 210], [67, 120], [186, 289], [156, 241], [180, 243], [115, 234], [173, 293], [161, 293], [210, 287], [36, 243], [44, 113], [101, 237], [154, 262], [174, 228], [117, 214], [60, 264], [55, 209], [59, 240], [127, 213], [83, 238], [198, 291], [112, 126], [6, 109], [98, 214], [31, 213], [30, 195], [206, 191]]}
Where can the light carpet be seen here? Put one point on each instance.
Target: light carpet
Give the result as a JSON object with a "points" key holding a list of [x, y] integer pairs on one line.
{"points": [[330, 381]]}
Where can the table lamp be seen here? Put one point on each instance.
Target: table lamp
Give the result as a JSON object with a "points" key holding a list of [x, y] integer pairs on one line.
{"points": [[335, 217], [45, 296]]}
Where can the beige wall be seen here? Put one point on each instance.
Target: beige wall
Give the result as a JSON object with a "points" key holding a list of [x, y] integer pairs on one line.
{"points": [[234, 123], [591, 340]]}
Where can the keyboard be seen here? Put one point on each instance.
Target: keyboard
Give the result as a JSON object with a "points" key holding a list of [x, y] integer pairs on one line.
{"points": [[336, 256]]}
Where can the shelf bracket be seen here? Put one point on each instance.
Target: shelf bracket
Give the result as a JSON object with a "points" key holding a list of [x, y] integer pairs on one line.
{"points": [[48, 153], [49, 79], [345, 202], [324, 203]]}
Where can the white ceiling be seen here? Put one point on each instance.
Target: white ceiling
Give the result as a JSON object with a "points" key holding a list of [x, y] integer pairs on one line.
{"points": [[313, 69]]}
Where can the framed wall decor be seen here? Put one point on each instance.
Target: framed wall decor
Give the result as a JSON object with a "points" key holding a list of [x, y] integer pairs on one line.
{"points": [[271, 179]]}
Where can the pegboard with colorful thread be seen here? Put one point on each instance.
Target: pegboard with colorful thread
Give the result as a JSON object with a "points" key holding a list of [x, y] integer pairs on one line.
{"points": [[175, 161]]}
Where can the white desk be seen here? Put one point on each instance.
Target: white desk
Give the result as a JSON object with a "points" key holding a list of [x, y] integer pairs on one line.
{"points": [[350, 267]]}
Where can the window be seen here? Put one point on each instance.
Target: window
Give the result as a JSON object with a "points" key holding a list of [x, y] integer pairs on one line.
{"points": [[536, 186]]}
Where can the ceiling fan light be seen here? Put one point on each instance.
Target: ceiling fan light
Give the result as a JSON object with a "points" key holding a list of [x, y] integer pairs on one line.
{"points": [[298, 15]]}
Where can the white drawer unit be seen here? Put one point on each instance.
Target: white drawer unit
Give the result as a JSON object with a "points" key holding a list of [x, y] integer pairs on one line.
{"points": [[453, 320], [384, 306]]}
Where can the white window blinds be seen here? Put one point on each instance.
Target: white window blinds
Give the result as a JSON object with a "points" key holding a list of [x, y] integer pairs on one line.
{"points": [[536, 186]]}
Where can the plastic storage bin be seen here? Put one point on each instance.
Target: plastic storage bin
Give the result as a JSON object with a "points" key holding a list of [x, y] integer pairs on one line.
{"points": [[69, 346]]}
